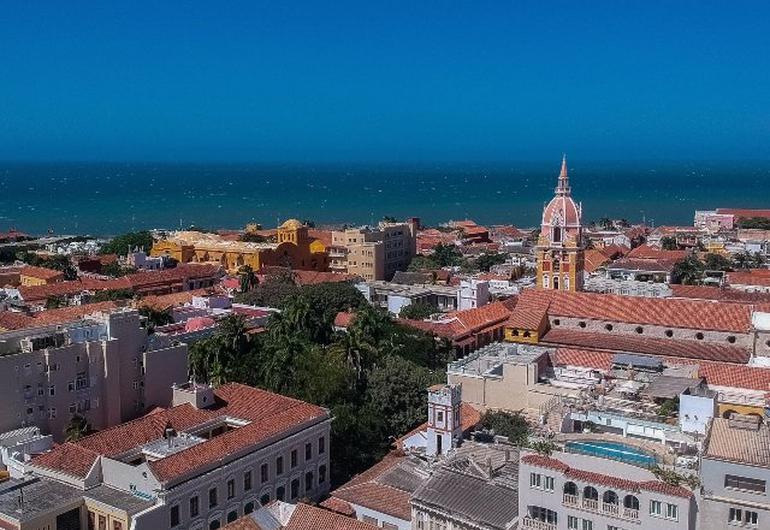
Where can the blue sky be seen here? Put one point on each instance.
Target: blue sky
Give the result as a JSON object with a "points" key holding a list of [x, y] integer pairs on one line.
{"points": [[303, 81]]}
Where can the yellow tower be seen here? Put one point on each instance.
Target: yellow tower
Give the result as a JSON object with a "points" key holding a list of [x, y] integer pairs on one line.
{"points": [[560, 250]]}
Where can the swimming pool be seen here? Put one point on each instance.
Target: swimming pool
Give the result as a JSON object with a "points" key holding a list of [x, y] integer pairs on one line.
{"points": [[613, 450]]}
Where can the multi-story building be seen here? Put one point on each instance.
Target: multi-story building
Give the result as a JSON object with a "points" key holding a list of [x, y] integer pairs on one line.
{"points": [[569, 491], [101, 367], [293, 247], [735, 472], [374, 254], [212, 457], [39, 276], [560, 248]]}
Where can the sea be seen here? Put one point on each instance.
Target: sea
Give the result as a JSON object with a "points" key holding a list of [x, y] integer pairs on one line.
{"points": [[103, 199]]}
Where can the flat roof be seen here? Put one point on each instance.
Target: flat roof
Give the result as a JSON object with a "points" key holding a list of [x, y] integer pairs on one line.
{"points": [[39, 496]]}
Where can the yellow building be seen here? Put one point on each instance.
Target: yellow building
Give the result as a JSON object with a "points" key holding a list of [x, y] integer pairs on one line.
{"points": [[39, 276], [293, 248], [560, 250]]}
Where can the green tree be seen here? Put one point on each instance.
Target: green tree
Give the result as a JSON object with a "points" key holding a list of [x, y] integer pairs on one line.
{"points": [[512, 425], [422, 263], [389, 219], [116, 270], [668, 243], [249, 280], [54, 302], [418, 311], [77, 428], [688, 271], [446, 255], [252, 237], [761, 223], [156, 317], [718, 262], [487, 261], [220, 358], [112, 295], [125, 243]]}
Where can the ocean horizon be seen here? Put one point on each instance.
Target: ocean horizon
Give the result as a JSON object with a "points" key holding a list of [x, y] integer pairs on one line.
{"points": [[110, 198]]}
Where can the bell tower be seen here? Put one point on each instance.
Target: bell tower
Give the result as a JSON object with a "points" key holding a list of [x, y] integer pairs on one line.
{"points": [[560, 249], [444, 427]]}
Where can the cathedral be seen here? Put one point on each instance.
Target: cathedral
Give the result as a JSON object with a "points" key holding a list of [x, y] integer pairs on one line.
{"points": [[560, 250]]}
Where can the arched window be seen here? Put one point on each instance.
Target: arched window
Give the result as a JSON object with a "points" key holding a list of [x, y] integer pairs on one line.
{"points": [[731, 339], [589, 492], [669, 333], [639, 329], [248, 508], [631, 502], [608, 327], [213, 525], [610, 497], [699, 336], [526, 333], [570, 488], [582, 324], [556, 234]]}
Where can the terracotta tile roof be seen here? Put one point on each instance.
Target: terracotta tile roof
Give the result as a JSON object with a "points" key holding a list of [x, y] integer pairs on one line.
{"points": [[722, 294], [243, 523], [667, 347], [600, 360], [748, 446], [755, 277], [343, 319], [181, 272], [654, 253], [715, 373], [594, 259], [338, 506], [269, 415], [316, 277], [650, 265], [615, 250], [11, 320], [69, 458], [605, 480], [164, 302], [307, 517], [364, 490], [675, 313], [531, 309], [324, 236], [459, 324], [744, 213], [71, 313], [42, 273]]}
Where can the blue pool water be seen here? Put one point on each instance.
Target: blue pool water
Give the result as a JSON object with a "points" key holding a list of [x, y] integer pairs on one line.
{"points": [[613, 450]]}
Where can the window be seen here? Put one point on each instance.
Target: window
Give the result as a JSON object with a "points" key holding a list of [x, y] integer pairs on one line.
{"points": [[248, 508], [263, 473], [322, 474], [308, 481], [102, 522], [213, 498], [194, 508], [232, 516], [731, 339], [280, 493], [572, 522], [699, 336], [279, 465], [308, 451], [264, 499], [669, 333], [294, 489], [439, 416], [247, 481], [321, 445], [582, 324], [743, 517], [744, 483], [535, 480], [548, 483], [608, 327], [117, 525], [175, 515], [293, 458], [672, 511], [588, 525], [639, 329], [230, 489], [52, 390], [656, 508], [215, 524]]}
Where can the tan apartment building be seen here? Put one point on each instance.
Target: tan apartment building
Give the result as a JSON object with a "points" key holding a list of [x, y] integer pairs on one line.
{"points": [[374, 253], [101, 367]]}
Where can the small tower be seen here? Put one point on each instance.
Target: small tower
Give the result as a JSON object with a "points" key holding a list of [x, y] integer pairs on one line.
{"points": [[560, 250], [444, 428]]}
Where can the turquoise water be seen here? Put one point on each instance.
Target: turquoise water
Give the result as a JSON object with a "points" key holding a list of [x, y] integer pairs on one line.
{"points": [[614, 451], [104, 199]]}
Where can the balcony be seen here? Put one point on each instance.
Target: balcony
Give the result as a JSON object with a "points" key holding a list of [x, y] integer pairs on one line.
{"points": [[571, 500], [630, 513], [606, 508], [591, 504], [610, 509], [536, 524]]}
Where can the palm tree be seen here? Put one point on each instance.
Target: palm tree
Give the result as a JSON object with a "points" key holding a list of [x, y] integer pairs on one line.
{"points": [[77, 428], [688, 271]]}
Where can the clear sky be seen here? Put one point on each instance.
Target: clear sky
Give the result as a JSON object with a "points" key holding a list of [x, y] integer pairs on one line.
{"points": [[368, 80]]}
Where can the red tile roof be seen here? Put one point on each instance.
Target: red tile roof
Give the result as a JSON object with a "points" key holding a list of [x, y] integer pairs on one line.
{"points": [[594, 259], [605, 480], [715, 373], [15, 321], [614, 250], [316, 277], [654, 253], [744, 213], [306, 517], [650, 265], [11, 320], [343, 319], [269, 415], [69, 458], [164, 302], [675, 313], [42, 273], [324, 236], [759, 277], [459, 324], [722, 294], [628, 343]]}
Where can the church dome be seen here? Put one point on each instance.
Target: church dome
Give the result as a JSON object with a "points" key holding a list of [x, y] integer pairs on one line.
{"points": [[562, 211], [292, 224]]}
